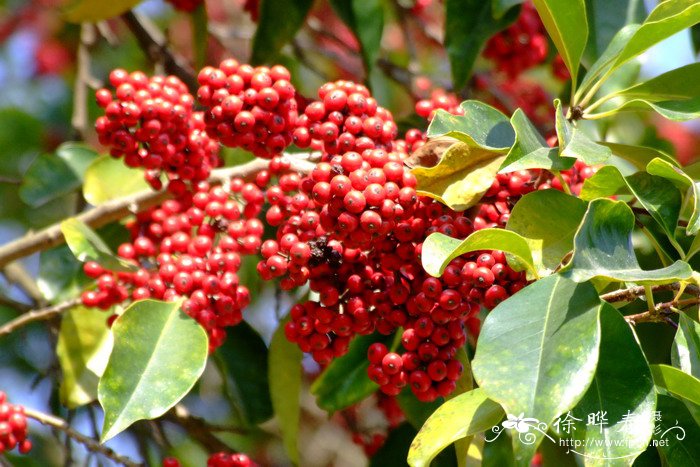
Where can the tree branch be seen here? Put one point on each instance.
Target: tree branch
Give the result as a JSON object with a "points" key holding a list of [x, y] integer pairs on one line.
{"points": [[119, 208], [197, 428], [155, 45], [89, 443], [38, 315]]}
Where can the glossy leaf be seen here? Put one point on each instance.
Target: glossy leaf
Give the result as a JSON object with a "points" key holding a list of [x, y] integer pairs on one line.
{"points": [[606, 60], [365, 18], [48, 178], [677, 382], [468, 25], [639, 156], [567, 25], [439, 249], [501, 6], [80, 11], [415, 411], [86, 245], [285, 386], [606, 18], [60, 274], [623, 389], [538, 350], [108, 178], [530, 150], [573, 142], [678, 447], [159, 354], [679, 178], [679, 111], [345, 382], [661, 199], [685, 353], [680, 83], [83, 349], [603, 249], [465, 415], [278, 23], [481, 126], [548, 219], [668, 18], [246, 358], [461, 177]]}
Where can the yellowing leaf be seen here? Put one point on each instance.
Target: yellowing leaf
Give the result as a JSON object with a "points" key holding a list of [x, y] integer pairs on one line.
{"points": [[84, 345], [96, 10], [108, 178], [461, 177]]}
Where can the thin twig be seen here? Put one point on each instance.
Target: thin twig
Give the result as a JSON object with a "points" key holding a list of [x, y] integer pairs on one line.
{"points": [[154, 43], [628, 295], [89, 443], [38, 315], [197, 428], [133, 204], [79, 120], [17, 274]]}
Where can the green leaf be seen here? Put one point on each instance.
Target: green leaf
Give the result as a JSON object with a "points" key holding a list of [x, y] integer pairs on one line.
{"points": [[200, 35], [501, 6], [439, 249], [415, 411], [530, 150], [468, 25], [573, 142], [639, 156], [246, 357], [461, 177], [78, 156], [677, 382], [498, 452], [679, 111], [86, 245], [481, 126], [285, 386], [538, 350], [278, 24], [677, 84], [548, 219], [679, 178], [60, 274], [678, 447], [84, 345], [51, 176], [345, 382], [603, 248], [395, 449], [462, 416], [159, 354], [668, 18], [606, 182], [604, 63], [623, 390], [92, 11], [685, 353], [566, 23], [606, 18], [661, 199], [108, 178], [365, 18]]}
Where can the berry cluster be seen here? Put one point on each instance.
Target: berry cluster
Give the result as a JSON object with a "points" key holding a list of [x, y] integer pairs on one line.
{"points": [[439, 99], [251, 108], [150, 122], [219, 459], [13, 427], [190, 247], [521, 46], [187, 6], [346, 118]]}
